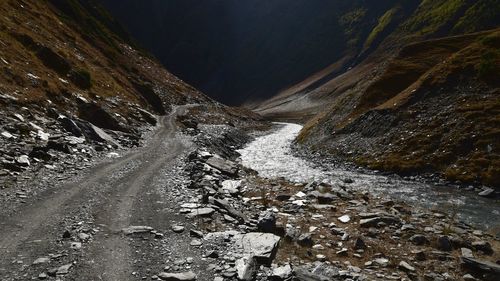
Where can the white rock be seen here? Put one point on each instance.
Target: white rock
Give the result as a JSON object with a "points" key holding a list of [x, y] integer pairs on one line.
{"points": [[183, 276], [23, 160], [41, 260], [19, 117], [136, 229], [344, 218], [7, 135], [282, 272]]}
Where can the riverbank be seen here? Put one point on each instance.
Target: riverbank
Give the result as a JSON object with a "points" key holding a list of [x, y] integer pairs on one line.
{"points": [[321, 231]]}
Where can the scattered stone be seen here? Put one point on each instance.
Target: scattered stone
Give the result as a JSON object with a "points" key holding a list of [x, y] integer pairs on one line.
{"points": [[195, 233], [137, 229], [406, 267], [83, 236], [419, 240], [481, 266], [262, 246], [382, 261], [196, 243], [359, 244], [305, 240], [23, 160], [201, 212], [183, 276], [444, 243], [373, 222], [76, 245], [41, 260], [63, 270], [344, 218], [7, 135], [466, 253], [321, 257], [482, 246], [343, 252], [245, 268], [178, 228], [487, 192], [267, 222], [420, 256], [281, 273], [225, 166]]}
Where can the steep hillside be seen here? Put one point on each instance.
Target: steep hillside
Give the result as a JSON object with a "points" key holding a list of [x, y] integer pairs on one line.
{"points": [[247, 51], [404, 23], [435, 108], [72, 82]]}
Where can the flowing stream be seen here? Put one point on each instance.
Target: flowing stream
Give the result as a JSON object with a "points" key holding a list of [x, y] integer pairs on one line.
{"points": [[272, 157]]}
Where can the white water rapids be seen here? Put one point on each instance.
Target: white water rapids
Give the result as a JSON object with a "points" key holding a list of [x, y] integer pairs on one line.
{"points": [[272, 157]]}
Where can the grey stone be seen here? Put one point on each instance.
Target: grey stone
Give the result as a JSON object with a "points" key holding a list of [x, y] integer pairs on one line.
{"points": [[482, 246], [406, 267], [136, 229], [262, 246], [267, 222], [371, 222], [41, 260], [246, 268], [466, 253], [281, 273], [201, 212], [444, 243], [305, 240], [419, 239], [183, 276], [178, 228], [222, 165], [482, 266], [63, 270], [487, 192]]}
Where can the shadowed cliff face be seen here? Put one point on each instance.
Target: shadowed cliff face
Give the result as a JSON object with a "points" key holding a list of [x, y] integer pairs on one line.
{"points": [[239, 51]]}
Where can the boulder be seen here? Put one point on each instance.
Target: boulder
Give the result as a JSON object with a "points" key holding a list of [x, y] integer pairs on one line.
{"points": [[261, 246], [267, 222], [482, 266], [225, 166]]}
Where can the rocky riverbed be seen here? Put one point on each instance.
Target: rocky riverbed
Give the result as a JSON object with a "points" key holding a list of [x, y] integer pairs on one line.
{"points": [[320, 231]]}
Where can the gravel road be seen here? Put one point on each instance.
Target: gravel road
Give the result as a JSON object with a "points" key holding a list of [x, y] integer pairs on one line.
{"points": [[79, 224]]}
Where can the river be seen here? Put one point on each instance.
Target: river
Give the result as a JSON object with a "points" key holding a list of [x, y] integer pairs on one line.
{"points": [[272, 157]]}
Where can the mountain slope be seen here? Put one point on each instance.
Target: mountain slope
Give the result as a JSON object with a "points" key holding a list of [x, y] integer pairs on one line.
{"points": [[247, 51], [73, 85], [435, 108]]}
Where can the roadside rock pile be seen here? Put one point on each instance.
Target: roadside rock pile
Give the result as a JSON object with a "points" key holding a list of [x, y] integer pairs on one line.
{"points": [[32, 140], [261, 229]]}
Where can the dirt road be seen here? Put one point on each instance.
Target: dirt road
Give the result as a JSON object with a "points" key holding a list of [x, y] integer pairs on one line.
{"points": [[139, 188]]}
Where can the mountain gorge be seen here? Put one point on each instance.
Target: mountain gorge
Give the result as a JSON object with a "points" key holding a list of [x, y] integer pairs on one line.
{"points": [[114, 168], [365, 76]]}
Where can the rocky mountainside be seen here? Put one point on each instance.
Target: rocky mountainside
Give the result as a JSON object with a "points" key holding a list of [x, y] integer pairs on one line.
{"points": [[73, 84], [244, 51]]}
